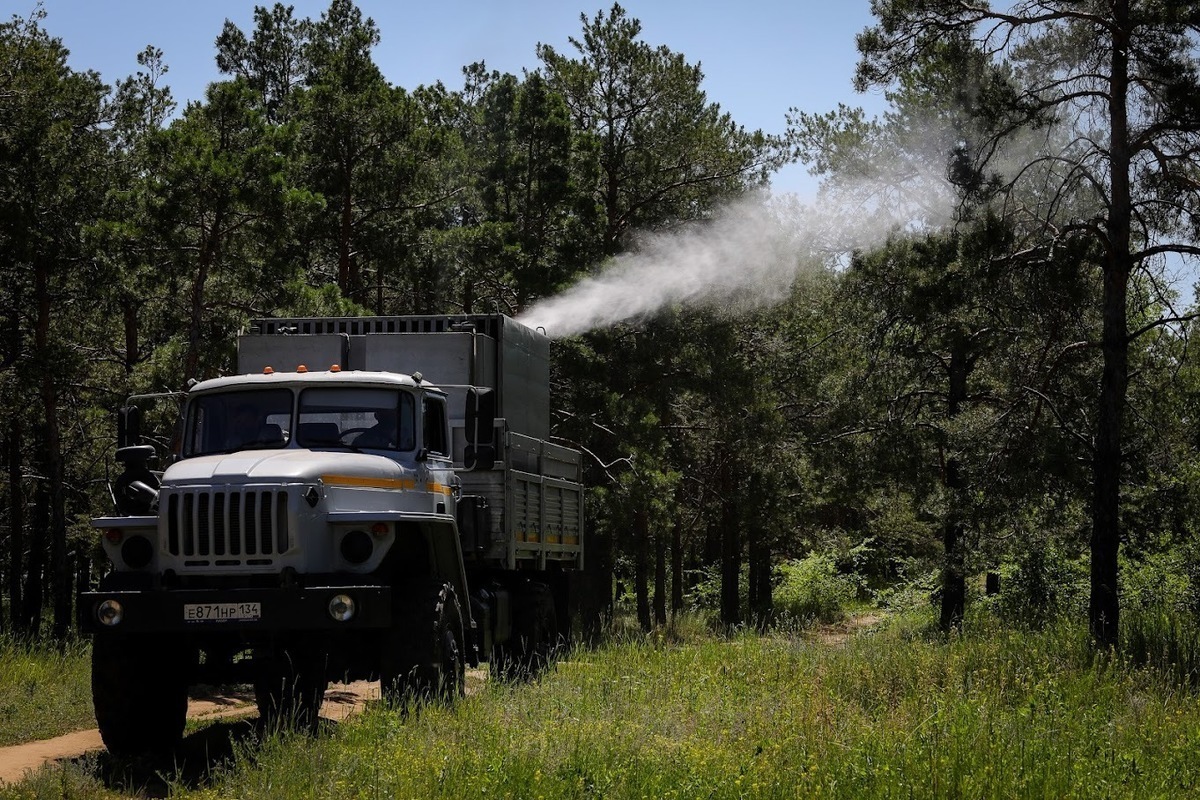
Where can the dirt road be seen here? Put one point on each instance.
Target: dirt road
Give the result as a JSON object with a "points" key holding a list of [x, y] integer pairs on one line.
{"points": [[341, 700]]}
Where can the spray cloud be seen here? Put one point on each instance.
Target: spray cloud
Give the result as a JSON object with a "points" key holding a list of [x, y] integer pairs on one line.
{"points": [[749, 254]]}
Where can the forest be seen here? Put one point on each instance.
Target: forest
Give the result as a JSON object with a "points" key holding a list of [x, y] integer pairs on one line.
{"points": [[993, 402]]}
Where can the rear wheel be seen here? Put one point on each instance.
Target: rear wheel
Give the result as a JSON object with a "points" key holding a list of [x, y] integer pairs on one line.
{"points": [[534, 641], [139, 692], [422, 657]]}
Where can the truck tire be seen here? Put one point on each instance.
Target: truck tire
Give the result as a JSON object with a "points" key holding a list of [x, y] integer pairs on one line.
{"points": [[534, 642], [423, 656], [139, 692], [289, 686]]}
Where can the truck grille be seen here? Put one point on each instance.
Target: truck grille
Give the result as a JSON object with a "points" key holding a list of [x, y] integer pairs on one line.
{"points": [[233, 527]]}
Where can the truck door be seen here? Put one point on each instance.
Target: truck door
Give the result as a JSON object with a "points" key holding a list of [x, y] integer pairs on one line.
{"points": [[435, 448]]}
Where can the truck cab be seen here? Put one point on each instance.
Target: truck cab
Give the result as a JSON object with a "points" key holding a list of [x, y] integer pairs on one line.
{"points": [[312, 472]]}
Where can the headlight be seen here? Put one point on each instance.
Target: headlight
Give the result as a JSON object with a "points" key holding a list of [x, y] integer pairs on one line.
{"points": [[110, 613], [357, 547], [137, 551], [341, 607]]}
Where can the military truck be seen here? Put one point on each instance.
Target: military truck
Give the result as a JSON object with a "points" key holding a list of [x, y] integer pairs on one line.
{"points": [[368, 498]]}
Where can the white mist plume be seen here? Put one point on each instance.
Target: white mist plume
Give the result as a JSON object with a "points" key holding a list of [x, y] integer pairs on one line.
{"points": [[749, 254]]}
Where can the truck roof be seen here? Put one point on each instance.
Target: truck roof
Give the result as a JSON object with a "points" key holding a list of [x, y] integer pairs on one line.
{"points": [[323, 377]]}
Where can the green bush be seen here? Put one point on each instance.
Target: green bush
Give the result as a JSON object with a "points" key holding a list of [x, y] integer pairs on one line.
{"points": [[1042, 586], [1155, 581], [1163, 639], [915, 594], [705, 593], [1158, 627], [812, 590], [704, 597]]}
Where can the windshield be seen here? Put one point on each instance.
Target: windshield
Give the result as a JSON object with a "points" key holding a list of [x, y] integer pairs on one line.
{"points": [[355, 417], [243, 420]]}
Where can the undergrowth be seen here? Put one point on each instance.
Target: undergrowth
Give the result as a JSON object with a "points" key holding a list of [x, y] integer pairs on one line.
{"points": [[904, 712], [991, 713], [994, 711], [45, 690]]}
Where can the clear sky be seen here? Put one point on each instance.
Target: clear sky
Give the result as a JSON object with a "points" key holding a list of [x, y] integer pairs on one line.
{"points": [[759, 57]]}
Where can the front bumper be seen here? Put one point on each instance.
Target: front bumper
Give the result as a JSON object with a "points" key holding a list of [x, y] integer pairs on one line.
{"points": [[278, 610]]}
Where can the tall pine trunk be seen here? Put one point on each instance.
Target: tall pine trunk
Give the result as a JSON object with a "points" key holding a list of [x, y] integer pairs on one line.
{"points": [[731, 548], [51, 459], [1104, 602], [759, 583], [677, 559], [660, 578], [954, 578], [209, 245], [34, 590], [129, 312], [347, 268], [16, 523], [641, 567]]}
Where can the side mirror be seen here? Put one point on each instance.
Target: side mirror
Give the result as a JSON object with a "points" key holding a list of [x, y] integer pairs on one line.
{"points": [[129, 426], [480, 451], [136, 488]]}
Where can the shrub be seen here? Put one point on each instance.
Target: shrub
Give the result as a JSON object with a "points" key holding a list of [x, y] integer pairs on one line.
{"points": [[1043, 585], [1164, 639], [917, 593], [704, 596], [1158, 627], [1155, 581], [811, 590]]}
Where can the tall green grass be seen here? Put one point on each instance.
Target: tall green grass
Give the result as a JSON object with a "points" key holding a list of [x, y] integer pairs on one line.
{"points": [[992, 713], [45, 690], [900, 713]]}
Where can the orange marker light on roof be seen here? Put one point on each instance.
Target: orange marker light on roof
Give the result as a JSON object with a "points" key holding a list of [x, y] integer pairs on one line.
{"points": [[268, 371], [301, 368], [335, 368]]}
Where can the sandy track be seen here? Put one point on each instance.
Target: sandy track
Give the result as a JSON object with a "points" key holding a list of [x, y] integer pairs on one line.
{"points": [[341, 700]]}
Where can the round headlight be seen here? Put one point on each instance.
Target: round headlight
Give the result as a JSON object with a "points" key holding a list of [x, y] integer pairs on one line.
{"points": [[137, 551], [110, 613], [357, 547], [341, 607]]}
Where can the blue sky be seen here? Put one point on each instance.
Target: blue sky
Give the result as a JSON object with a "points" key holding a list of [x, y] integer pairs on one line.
{"points": [[759, 57]]}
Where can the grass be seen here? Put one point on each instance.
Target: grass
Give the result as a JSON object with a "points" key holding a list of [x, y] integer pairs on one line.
{"points": [[991, 714], [45, 690], [899, 713]]}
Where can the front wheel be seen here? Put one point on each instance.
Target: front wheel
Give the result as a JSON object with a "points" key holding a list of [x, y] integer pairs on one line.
{"points": [[423, 653], [139, 692], [289, 687]]}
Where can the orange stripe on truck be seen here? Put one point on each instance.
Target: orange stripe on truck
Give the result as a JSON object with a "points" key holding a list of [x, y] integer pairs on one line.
{"points": [[369, 483]]}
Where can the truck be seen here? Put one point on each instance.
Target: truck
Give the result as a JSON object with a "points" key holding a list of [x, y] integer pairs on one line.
{"points": [[368, 498]]}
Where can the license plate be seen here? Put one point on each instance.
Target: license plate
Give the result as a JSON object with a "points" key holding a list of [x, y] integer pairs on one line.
{"points": [[221, 612]]}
